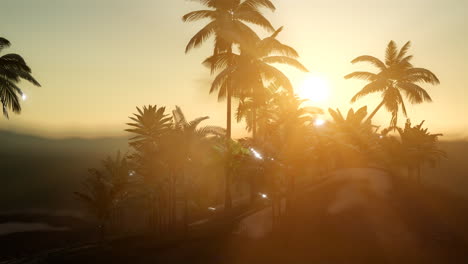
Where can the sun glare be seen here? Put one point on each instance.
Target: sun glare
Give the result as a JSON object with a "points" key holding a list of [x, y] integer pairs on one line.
{"points": [[314, 88]]}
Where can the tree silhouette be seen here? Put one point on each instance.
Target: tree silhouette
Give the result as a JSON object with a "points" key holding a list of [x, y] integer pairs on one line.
{"points": [[151, 125], [185, 141], [354, 137], [420, 147], [248, 71], [227, 24], [396, 77], [105, 190], [13, 68]]}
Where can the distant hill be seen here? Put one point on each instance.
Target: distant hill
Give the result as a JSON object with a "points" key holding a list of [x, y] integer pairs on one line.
{"points": [[41, 173]]}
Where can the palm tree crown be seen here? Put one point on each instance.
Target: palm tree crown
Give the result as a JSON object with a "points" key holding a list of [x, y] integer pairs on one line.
{"points": [[396, 76], [13, 68], [252, 66], [227, 21]]}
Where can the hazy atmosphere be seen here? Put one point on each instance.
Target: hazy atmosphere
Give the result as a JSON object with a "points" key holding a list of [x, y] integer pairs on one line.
{"points": [[233, 131], [87, 90]]}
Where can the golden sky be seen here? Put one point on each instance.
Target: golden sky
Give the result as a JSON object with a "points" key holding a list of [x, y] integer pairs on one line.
{"points": [[99, 59]]}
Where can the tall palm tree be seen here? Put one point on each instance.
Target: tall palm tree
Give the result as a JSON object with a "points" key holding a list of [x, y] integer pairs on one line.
{"points": [[249, 71], [227, 24], [13, 68], [396, 76], [186, 140], [288, 137], [151, 125]]}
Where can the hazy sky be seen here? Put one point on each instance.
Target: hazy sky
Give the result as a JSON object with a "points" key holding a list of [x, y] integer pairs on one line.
{"points": [[98, 59]]}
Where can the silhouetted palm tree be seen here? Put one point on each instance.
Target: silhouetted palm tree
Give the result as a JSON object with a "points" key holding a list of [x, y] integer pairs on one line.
{"points": [[419, 147], [104, 191], [248, 71], [396, 76], [151, 125], [186, 139], [354, 137], [265, 112], [290, 136], [227, 24], [118, 170], [13, 68], [231, 154]]}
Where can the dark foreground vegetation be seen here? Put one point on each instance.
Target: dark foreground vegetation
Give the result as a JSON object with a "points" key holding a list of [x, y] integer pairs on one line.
{"points": [[396, 222]]}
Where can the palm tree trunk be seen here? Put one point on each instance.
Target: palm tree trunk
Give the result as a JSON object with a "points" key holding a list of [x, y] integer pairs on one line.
{"points": [[254, 123], [227, 193], [375, 111], [228, 111]]}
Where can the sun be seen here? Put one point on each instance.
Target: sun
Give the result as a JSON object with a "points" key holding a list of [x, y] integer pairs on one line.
{"points": [[314, 88]]}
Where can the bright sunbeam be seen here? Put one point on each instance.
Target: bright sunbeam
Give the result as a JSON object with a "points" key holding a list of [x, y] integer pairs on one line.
{"points": [[24, 97], [314, 88]]}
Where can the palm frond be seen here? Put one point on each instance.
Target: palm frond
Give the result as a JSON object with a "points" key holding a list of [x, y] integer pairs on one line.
{"points": [[256, 4], [198, 15], [376, 86], [287, 61], [201, 36], [415, 93], [254, 17], [4, 43], [220, 61], [194, 123], [421, 75], [221, 79], [391, 53], [403, 51], [270, 73], [370, 59], [367, 76]]}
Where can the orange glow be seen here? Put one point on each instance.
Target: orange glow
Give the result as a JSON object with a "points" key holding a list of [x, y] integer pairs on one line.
{"points": [[314, 88]]}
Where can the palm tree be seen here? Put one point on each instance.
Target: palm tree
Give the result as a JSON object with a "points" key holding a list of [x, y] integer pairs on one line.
{"points": [[105, 190], [248, 71], [396, 76], [118, 170], [13, 68], [187, 138], [419, 147], [354, 137], [289, 137], [151, 125], [231, 154], [227, 24], [264, 112]]}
